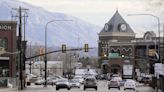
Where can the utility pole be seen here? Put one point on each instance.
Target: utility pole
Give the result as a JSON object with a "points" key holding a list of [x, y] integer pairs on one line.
{"points": [[21, 47]]}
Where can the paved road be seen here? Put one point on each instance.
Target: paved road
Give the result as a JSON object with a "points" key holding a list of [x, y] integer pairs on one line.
{"points": [[102, 87]]}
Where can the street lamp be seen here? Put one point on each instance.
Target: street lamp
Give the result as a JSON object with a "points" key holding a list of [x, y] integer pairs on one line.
{"points": [[156, 17], [45, 57]]}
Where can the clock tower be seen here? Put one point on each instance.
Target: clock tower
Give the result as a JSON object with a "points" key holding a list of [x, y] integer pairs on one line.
{"points": [[116, 45]]}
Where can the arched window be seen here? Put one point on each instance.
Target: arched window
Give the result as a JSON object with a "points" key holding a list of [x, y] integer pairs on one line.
{"points": [[118, 51], [130, 51], [112, 51], [148, 37]]}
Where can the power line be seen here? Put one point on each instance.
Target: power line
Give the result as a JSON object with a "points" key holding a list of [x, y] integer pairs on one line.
{"points": [[21, 48]]}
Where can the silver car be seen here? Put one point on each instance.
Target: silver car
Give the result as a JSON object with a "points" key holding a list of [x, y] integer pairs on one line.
{"points": [[75, 83], [114, 84], [62, 83], [90, 82]]}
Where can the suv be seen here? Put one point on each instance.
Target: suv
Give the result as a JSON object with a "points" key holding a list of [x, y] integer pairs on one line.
{"points": [[114, 84], [90, 82]]}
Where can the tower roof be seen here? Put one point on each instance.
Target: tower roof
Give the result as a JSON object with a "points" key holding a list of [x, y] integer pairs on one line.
{"points": [[115, 25]]}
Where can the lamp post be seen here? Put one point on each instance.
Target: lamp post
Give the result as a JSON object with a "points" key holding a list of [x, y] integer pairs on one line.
{"points": [[45, 57], [158, 20]]}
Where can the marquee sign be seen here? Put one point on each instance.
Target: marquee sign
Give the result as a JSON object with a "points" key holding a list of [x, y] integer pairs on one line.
{"points": [[7, 26], [114, 55]]}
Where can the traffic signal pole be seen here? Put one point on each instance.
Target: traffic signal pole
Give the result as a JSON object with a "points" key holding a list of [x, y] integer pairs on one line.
{"points": [[21, 49]]}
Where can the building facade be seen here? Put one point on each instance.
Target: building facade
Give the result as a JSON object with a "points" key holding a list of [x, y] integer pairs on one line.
{"points": [[118, 47], [8, 43]]}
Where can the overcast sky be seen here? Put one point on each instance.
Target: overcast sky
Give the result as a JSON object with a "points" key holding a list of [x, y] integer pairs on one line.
{"points": [[100, 11]]}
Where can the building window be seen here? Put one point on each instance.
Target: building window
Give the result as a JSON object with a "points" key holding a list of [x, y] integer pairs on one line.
{"points": [[148, 37], [118, 51], [4, 68], [112, 51], [4, 42]]}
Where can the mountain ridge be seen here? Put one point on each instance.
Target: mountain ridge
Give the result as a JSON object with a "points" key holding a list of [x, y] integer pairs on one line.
{"points": [[72, 33]]}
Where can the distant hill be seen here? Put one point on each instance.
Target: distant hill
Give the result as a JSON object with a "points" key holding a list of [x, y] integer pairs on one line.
{"points": [[72, 33]]}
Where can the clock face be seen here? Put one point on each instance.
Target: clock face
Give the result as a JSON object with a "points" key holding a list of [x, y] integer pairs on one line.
{"points": [[106, 27], [122, 27]]}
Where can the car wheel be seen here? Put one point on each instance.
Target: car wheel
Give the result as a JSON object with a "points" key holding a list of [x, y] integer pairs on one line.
{"points": [[118, 88], [96, 88], [84, 88], [68, 88], [124, 88], [57, 88], [109, 88], [134, 89]]}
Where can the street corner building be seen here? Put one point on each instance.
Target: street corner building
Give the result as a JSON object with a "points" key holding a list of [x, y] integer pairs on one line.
{"points": [[120, 52], [8, 46]]}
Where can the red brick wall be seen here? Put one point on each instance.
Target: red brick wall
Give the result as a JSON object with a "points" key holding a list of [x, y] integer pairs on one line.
{"points": [[8, 30]]}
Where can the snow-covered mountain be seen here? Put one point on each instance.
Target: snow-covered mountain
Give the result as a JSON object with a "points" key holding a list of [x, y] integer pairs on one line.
{"points": [[72, 33]]}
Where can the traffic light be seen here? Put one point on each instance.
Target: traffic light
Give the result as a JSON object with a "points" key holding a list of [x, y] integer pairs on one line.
{"points": [[86, 47], [63, 48]]}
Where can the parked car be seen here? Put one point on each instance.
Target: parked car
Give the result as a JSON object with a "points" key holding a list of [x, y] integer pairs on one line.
{"points": [[130, 84], [75, 83], [90, 82], [52, 81], [113, 84], [39, 82], [62, 83]]}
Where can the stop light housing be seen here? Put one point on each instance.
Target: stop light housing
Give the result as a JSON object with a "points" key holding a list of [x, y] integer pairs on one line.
{"points": [[86, 47], [63, 48]]}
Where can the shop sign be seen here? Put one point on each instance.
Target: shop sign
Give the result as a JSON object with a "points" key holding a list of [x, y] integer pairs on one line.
{"points": [[5, 27]]}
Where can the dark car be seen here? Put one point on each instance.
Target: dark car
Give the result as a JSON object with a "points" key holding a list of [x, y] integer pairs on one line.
{"points": [[62, 83], [90, 82], [145, 80]]}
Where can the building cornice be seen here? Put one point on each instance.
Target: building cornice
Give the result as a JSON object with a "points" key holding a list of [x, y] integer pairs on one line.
{"points": [[120, 34]]}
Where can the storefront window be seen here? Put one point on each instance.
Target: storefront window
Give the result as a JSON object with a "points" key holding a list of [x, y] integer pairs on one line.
{"points": [[4, 68], [4, 42]]}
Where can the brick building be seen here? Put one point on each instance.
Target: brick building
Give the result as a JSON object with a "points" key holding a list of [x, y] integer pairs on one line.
{"points": [[8, 42], [118, 46]]}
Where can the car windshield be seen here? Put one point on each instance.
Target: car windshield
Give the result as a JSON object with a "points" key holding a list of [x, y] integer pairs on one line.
{"points": [[74, 81], [113, 81], [92, 80], [77, 77]]}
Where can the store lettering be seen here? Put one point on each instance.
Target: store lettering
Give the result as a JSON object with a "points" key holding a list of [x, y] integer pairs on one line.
{"points": [[5, 27]]}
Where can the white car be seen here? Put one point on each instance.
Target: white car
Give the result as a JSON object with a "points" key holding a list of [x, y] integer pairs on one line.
{"points": [[75, 83], [39, 82], [62, 83], [130, 84], [80, 78]]}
